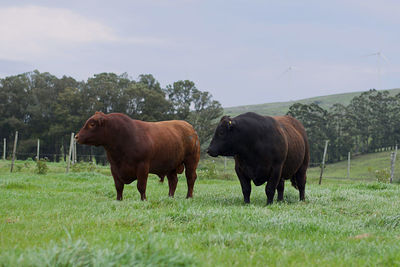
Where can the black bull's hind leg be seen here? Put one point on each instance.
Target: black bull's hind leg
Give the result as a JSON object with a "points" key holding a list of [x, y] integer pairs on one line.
{"points": [[300, 177], [281, 189]]}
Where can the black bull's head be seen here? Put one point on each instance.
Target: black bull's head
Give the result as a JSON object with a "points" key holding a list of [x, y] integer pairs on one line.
{"points": [[222, 143]]}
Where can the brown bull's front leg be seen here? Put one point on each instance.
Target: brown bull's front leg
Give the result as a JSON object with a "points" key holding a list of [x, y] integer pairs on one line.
{"points": [[142, 174], [119, 186], [172, 183]]}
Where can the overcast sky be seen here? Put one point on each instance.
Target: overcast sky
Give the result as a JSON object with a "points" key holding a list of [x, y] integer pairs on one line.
{"points": [[243, 52]]}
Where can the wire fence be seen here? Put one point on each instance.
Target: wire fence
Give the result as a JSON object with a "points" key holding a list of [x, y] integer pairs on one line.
{"points": [[51, 156], [378, 170], [224, 165]]}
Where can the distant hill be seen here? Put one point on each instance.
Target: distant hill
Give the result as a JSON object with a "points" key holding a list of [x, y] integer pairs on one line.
{"points": [[280, 108]]}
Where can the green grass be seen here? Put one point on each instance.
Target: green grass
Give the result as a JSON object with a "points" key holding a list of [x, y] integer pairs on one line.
{"points": [[281, 108], [362, 167], [73, 219]]}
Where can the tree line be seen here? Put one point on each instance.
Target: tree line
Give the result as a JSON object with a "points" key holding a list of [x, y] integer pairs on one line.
{"points": [[42, 106], [369, 123]]}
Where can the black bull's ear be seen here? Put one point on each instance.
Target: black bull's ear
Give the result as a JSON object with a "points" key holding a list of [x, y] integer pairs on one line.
{"points": [[225, 118], [231, 125]]}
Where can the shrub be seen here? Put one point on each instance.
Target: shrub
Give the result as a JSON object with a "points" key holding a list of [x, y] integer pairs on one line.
{"points": [[382, 176], [18, 168], [210, 171], [84, 167], [41, 166]]}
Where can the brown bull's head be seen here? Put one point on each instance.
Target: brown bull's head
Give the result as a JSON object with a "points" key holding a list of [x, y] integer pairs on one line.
{"points": [[93, 132]]}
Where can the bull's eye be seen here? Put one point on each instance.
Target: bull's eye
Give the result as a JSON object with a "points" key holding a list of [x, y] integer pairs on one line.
{"points": [[221, 133], [92, 124]]}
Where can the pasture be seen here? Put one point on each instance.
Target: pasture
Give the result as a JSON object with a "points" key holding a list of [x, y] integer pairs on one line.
{"points": [[73, 219]]}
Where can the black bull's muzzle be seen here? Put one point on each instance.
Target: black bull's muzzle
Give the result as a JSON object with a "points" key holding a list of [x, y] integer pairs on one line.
{"points": [[212, 152]]}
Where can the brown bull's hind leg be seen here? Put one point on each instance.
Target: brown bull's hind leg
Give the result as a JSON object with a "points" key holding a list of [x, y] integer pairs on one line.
{"points": [[172, 182], [191, 176]]}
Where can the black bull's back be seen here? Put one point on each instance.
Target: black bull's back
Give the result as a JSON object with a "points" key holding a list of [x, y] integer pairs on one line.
{"points": [[266, 149], [297, 149]]}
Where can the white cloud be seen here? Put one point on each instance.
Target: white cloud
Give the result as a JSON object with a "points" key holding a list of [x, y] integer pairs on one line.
{"points": [[29, 32], [32, 32]]}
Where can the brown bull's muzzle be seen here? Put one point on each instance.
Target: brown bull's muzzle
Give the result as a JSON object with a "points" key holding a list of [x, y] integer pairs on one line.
{"points": [[77, 138]]}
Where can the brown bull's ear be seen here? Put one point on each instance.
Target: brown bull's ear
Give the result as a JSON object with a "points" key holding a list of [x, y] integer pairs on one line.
{"points": [[100, 118], [101, 121]]}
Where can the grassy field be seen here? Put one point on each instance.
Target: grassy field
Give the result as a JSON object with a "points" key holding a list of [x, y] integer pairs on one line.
{"points": [[281, 108], [363, 167], [73, 219]]}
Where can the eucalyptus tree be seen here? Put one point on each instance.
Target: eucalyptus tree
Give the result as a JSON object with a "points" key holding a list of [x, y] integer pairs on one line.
{"points": [[315, 121]]}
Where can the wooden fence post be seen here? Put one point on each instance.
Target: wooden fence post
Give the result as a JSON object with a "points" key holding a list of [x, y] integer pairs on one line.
{"points": [[38, 149], [14, 151], [224, 164], [62, 150], [75, 157], [4, 148], [71, 145], [73, 154], [392, 163], [348, 165], [323, 161]]}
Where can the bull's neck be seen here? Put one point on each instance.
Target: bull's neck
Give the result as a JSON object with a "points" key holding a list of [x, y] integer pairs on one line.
{"points": [[245, 151], [118, 135]]}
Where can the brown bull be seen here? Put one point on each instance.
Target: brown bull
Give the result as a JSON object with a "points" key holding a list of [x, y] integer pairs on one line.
{"points": [[136, 148]]}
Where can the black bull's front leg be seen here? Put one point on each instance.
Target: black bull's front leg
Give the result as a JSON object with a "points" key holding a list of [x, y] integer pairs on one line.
{"points": [[272, 183], [245, 182]]}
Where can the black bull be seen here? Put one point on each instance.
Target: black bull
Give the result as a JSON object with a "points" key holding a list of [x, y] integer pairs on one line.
{"points": [[265, 149]]}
